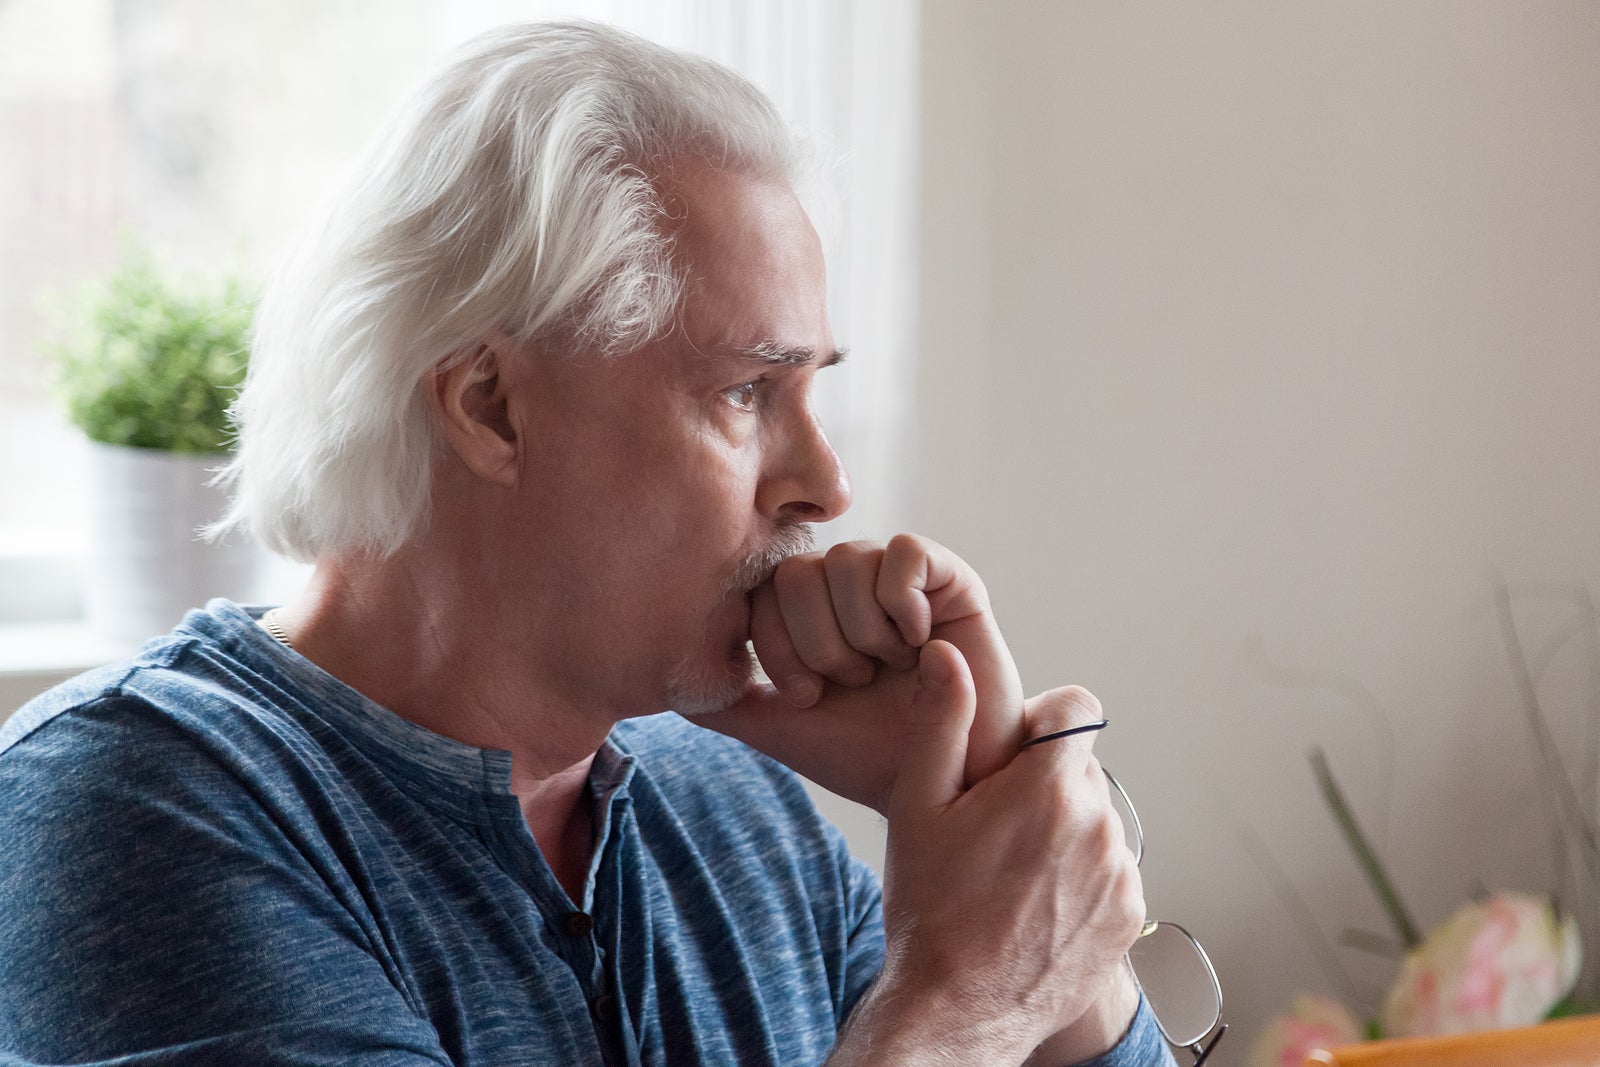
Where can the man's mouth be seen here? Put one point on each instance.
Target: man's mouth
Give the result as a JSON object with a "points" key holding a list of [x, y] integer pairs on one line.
{"points": [[758, 567]]}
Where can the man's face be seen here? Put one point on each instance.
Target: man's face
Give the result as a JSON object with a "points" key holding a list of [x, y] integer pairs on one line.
{"points": [[666, 483]]}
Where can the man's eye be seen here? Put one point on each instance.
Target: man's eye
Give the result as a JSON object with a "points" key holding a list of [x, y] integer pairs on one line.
{"points": [[742, 396]]}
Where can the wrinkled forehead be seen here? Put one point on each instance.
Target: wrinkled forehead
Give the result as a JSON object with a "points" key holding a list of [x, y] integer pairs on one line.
{"points": [[753, 264]]}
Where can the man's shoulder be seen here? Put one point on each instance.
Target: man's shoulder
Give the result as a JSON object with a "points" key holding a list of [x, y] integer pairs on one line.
{"points": [[85, 690], [179, 693], [127, 691]]}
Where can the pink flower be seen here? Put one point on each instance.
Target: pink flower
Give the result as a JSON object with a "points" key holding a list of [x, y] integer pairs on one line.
{"points": [[1499, 964], [1313, 1023]]}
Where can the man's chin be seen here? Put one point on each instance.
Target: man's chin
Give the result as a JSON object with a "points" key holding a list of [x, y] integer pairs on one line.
{"points": [[703, 688]]}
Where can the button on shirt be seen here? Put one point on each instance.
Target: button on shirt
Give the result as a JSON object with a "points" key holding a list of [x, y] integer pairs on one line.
{"points": [[218, 853]]}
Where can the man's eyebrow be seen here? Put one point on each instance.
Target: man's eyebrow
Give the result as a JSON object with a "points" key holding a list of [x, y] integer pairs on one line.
{"points": [[775, 353]]}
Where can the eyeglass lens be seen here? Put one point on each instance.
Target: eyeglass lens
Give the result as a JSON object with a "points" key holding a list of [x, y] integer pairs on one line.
{"points": [[1178, 981], [1169, 965]]}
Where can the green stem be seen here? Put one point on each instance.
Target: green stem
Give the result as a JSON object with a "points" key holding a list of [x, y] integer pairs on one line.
{"points": [[1371, 866], [1569, 814]]}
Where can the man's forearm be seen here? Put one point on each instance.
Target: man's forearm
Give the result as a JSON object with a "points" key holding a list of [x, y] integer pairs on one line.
{"points": [[901, 1027], [897, 1027], [1096, 1031]]}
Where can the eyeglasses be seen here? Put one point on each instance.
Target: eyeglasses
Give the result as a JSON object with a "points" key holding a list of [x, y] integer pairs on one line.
{"points": [[1169, 965]]}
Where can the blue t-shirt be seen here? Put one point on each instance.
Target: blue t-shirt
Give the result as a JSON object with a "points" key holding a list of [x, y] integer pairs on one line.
{"points": [[216, 853]]}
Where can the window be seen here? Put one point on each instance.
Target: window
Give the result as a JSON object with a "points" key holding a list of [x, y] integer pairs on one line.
{"points": [[204, 129]]}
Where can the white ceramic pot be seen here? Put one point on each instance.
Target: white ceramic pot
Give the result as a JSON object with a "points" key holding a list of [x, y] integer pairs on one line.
{"points": [[147, 564]]}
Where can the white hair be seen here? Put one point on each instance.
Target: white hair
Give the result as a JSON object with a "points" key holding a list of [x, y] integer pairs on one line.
{"points": [[512, 195]]}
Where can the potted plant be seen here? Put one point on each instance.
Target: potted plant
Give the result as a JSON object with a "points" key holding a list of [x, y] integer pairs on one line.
{"points": [[147, 370]]}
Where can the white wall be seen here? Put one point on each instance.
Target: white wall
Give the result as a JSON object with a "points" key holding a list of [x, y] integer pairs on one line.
{"points": [[1258, 337]]}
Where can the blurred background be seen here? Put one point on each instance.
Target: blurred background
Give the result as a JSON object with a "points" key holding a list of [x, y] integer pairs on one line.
{"points": [[1246, 349]]}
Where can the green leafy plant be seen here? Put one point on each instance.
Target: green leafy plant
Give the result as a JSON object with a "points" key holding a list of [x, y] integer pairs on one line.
{"points": [[151, 361]]}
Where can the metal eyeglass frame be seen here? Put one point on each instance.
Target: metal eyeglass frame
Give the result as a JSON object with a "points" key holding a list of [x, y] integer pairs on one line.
{"points": [[1217, 1028]]}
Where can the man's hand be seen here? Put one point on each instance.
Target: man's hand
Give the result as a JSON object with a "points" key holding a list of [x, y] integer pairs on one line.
{"points": [[1009, 905], [839, 633]]}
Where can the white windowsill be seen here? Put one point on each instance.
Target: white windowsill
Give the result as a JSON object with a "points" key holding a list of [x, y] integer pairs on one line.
{"points": [[48, 649]]}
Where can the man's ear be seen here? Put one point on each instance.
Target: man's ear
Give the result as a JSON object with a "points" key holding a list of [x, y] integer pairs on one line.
{"points": [[469, 396]]}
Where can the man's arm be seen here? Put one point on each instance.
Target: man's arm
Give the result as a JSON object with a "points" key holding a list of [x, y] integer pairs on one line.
{"points": [[1009, 905], [836, 633], [149, 914]]}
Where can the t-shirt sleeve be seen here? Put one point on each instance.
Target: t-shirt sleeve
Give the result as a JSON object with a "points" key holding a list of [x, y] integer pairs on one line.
{"points": [[152, 911], [864, 955], [1141, 1046]]}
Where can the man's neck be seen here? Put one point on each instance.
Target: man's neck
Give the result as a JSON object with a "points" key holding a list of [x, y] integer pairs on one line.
{"points": [[423, 655]]}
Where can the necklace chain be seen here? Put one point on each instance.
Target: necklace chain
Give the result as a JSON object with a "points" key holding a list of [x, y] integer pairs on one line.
{"points": [[270, 621]]}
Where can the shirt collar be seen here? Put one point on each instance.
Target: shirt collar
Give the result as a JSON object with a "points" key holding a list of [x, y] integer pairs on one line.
{"points": [[449, 768]]}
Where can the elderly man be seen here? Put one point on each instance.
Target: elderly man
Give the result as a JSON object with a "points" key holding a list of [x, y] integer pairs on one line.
{"points": [[535, 399]]}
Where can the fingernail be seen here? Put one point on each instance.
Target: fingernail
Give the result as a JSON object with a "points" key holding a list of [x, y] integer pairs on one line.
{"points": [[802, 691], [936, 671]]}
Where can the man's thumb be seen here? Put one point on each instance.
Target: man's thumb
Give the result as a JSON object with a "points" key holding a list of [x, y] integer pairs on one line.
{"points": [[933, 764]]}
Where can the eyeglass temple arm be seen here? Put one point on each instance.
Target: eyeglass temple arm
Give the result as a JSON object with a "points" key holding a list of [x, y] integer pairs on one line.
{"points": [[1201, 1054]]}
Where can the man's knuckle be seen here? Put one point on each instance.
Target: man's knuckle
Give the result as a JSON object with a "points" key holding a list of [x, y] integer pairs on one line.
{"points": [[902, 545], [1076, 696], [850, 554], [1131, 891], [1105, 839], [1129, 898]]}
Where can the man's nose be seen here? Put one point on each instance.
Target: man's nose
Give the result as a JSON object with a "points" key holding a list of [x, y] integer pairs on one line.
{"points": [[805, 481]]}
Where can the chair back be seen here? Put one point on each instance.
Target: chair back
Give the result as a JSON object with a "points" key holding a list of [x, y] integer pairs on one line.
{"points": [[1571, 1042]]}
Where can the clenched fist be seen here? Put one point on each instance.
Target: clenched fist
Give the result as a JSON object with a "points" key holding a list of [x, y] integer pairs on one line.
{"points": [[838, 633]]}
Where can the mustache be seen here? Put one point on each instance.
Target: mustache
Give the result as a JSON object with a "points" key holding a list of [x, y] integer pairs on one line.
{"points": [[758, 566]]}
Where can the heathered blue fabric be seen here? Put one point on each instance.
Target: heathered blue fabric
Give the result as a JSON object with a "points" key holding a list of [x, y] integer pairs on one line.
{"points": [[218, 854]]}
